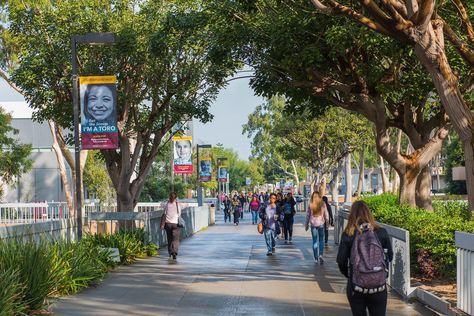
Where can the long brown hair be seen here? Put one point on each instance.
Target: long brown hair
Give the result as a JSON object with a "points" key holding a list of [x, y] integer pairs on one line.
{"points": [[173, 196], [360, 214], [316, 204]]}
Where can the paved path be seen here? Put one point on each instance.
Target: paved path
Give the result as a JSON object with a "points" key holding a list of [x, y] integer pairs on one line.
{"points": [[225, 271]]}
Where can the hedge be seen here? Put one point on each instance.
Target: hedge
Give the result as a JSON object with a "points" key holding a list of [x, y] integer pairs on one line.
{"points": [[431, 233]]}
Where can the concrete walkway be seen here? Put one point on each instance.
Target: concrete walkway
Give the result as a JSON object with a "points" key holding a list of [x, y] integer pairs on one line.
{"points": [[225, 271]]}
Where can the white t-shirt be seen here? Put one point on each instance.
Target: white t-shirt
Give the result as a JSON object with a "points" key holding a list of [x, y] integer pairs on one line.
{"points": [[173, 212]]}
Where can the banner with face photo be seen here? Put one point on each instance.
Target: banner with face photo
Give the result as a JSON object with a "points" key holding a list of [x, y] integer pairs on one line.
{"points": [[98, 95], [223, 170], [205, 165], [183, 154]]}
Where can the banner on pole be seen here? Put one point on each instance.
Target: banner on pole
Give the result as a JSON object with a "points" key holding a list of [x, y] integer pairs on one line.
{"points": [[205, 165], [98, 95], [183, 154], [222, 175]]}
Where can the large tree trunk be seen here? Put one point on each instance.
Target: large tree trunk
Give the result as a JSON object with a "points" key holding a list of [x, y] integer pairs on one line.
{"points": [[360, 182], [407, 188], [348, 176], [384, 175], [62, 169], [431, 52], [423, 189]]}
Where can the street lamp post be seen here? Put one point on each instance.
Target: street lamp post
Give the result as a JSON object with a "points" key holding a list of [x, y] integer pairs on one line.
{"points": [[93, 39], [200, 194]]}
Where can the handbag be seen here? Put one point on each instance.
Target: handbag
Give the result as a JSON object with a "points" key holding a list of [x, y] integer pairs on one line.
{"points": [[181, 222], [260, 228], [163, 221]]}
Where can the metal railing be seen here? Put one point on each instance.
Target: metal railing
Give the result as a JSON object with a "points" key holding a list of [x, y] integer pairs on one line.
{"points": [[19, 213], [465, 272]]}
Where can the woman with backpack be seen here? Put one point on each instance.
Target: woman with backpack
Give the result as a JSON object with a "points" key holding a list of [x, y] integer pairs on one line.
{"points": [[288, 219], [361, 237], [236, 208], [227, 207], [317, 215], [269, 216]]}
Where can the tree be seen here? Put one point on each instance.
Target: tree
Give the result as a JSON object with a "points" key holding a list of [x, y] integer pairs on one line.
{"points": [[306, 56], [13, 156], [424, 25], [265, 146], [97, 179], [165, 58]]}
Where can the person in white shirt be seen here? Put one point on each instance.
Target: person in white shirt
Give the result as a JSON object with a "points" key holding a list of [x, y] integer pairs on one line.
{"points": [[172, 210]]}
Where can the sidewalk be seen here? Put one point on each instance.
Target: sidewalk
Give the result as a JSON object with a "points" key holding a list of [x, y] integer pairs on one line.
{"points": [[225, 271]]}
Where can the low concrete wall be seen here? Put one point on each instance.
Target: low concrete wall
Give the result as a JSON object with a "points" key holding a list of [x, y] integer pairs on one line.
{"points": [[399, 271], [53, 230], [196, 218]]}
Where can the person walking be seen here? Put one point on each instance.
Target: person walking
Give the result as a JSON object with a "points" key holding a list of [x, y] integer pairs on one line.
{"points": [[316, 216], [236, 208], [288, 219], [172, 210], [254, 206], [269, 216], [280, 228], [227, 208], [330, 222], [242, 200], [362, 236]]}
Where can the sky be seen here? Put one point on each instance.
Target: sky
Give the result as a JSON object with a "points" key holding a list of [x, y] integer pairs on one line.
{"points": [[231, 110]]}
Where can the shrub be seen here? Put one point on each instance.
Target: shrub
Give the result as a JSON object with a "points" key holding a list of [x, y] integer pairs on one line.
{"points": [[33, 263], [11, 293], [431, 233], [130, 244], [78, 265], [30, 271]]}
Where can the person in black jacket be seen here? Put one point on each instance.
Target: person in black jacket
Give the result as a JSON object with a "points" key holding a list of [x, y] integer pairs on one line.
{"points": [[375, 303], [331, 219]]}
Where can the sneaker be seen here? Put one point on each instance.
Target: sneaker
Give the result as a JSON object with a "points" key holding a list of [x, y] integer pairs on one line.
{"points": [[273, 250], [290, 241], [269, 253], [174, 257], [321, 260], [286, 242]]}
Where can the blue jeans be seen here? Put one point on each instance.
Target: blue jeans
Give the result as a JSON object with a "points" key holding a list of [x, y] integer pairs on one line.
{"points": [[254, 217], [269, 238], [318, 241]]}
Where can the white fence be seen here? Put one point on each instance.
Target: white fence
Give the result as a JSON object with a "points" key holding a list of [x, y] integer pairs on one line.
{"points": [[24, 213], [465, 272], [19, 213]]}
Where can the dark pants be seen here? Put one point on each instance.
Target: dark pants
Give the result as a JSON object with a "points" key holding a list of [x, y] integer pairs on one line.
{"points": [[172, 234], [236, 216], [376, 303], [288, 225], [242, 213], [326, 233], [226, 215]]}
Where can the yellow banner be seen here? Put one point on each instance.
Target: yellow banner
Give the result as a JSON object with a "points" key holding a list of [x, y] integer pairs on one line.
{"points": [[175, 138], [98, 80]]}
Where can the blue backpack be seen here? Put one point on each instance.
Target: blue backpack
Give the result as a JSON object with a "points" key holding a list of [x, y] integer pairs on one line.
{"points": [[287, 208]]}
